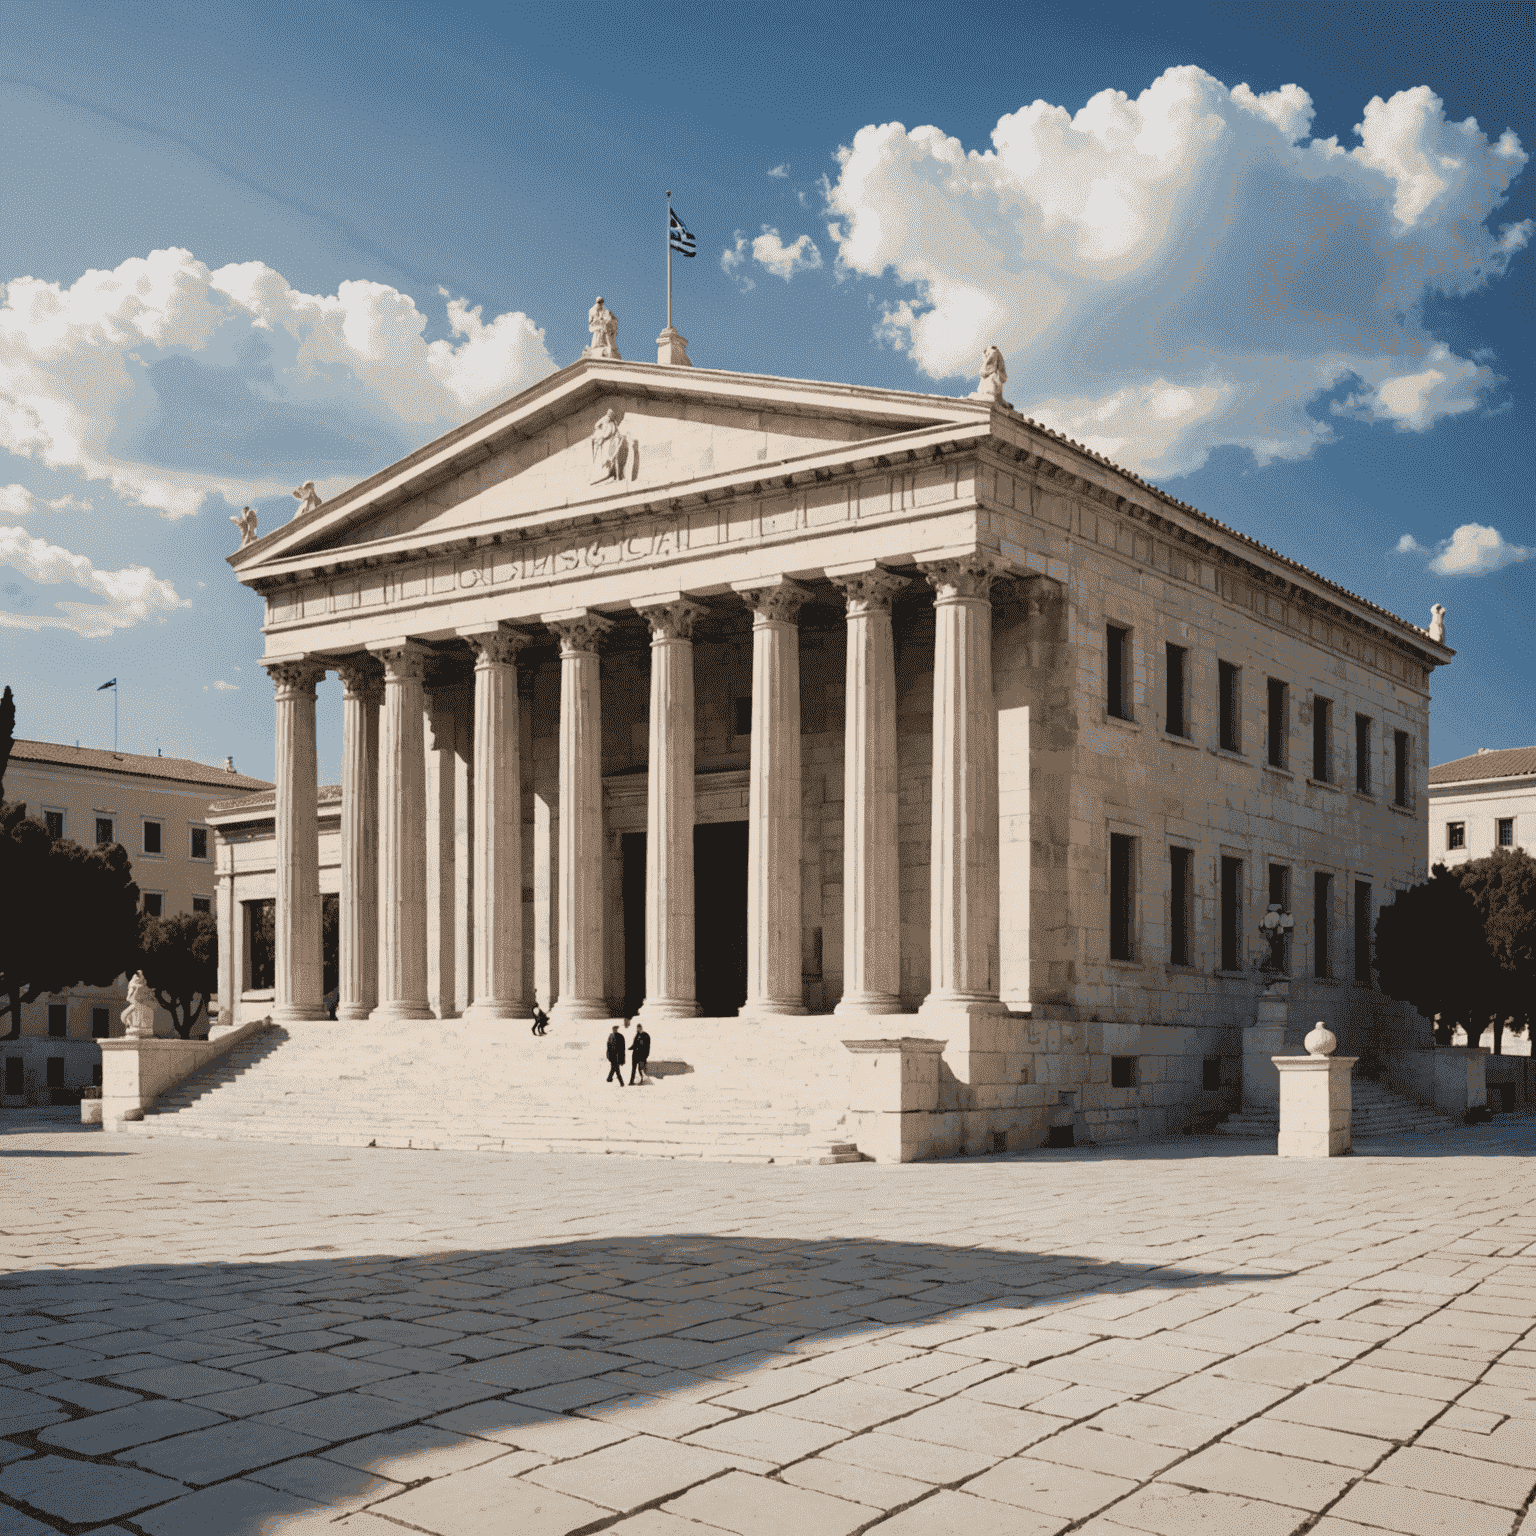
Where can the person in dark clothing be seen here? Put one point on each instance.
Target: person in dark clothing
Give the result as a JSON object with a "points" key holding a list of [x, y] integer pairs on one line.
{"points": [[639, 1056], [540, 1020], [616, 1056]]}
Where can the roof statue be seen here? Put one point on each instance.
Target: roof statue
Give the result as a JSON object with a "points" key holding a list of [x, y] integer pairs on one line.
{"points": [[994, 374], [308, 498], [246, 523], [604, 326], [1437, 623]]}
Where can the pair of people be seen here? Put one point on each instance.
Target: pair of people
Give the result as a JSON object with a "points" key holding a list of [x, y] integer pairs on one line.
{"points": [[639, 1055]]}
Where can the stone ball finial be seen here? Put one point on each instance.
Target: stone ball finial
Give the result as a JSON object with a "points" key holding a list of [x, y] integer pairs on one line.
{"points": [[1437, 623], [1321, 1041]]}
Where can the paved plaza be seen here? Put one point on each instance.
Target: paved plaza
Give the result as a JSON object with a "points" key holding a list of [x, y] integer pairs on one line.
{"points": [[213, 1337]]}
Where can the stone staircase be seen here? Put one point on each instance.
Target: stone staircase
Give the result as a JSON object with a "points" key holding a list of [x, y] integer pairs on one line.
{"points": [[722, 1090], [1377, 1111]]}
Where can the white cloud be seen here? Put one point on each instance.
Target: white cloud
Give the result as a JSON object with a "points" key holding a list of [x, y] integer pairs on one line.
{"points": [[1473, 550], [224, 687], [781, 171], [733, 258], [130, 596], [801, 255], [170, 381], [18, 501], [1186, 269], [1408, 545]]}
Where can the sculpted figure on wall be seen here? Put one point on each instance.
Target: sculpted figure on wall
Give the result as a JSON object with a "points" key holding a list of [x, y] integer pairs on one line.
{"points": [[994, 374], [610, 449], [139, 1016], [307, 497], [604, 327], [246, 523], [1437, 623]]}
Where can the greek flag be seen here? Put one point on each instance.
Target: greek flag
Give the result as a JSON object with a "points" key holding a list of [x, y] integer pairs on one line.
{"points": [[678, 238], [112, 684]]}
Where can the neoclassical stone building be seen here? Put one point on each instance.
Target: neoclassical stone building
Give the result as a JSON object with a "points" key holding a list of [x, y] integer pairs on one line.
{"points": [[697, 692]]}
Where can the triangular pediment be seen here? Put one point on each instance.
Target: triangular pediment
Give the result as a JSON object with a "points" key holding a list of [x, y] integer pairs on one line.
{"points": [[593, 432]]}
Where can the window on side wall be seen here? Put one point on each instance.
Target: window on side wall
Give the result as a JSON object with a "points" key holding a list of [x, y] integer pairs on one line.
{"points": [[1322, 742], [1181, 863], [1363, 754], [1505, 828], [58, 1020], [202, 904], [54, 821], [1178, 670], [1228, 678], [199, 843], [1277, 722], [1322, 922], [154, 904], [1280, 896], [1117, 644], [1455, 834], [1362, 933], [1231, 914], [104, 830], [1400, 768], [152, 840], [101, 1024], [1122, 897]]}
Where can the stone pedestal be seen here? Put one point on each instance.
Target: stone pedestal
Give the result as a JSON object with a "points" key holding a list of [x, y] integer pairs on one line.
{"points": [[672, 349], [893, 1090], [1262, 1042], [1315, 1099]]}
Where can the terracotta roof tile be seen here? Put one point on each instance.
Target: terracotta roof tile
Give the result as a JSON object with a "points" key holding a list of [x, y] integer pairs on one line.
{"points": [[181, 770], [1505, 763]]}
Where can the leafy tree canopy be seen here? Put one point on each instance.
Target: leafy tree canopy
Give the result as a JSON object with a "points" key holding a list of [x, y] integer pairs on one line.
{"points": [[180, 960], [1503, 889]]}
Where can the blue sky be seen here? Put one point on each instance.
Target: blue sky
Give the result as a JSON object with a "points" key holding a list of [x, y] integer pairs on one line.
{"points": [[371, 222]]}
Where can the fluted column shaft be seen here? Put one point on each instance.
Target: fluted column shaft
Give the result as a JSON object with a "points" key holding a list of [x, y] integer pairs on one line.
{"points": [[362, 681], [774, 983], [497, 834], [671, 990], [871, 873], [580, 908], [402, 836], [963, 917], [297, 980]]}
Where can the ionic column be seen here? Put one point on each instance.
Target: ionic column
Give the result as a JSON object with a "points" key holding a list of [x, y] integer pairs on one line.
{"points": [[871, 873], [297, 983], [402, 836], [773, 816], [670, 986], [496, 987], [580, 919], [362, 685], [963, 916]]}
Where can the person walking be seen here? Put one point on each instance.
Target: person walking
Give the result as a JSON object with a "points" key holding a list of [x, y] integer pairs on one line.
{"points": [[639, 1056], [540, 1020], [616, 1056]]}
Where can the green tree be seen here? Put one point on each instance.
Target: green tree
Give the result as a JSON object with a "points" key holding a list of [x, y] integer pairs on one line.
{"points": [[68, 915], [180, 960], [1503, 889], [1432, 952]]}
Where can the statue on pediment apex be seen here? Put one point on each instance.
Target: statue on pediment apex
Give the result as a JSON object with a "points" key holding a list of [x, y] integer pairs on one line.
{"points": [[246, 523], [604, 327], [994, 374], [1437, 623], [307, 497]]}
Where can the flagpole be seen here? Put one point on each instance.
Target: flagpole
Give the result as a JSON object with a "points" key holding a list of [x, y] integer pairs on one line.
{"points": [[669, 260], [114, 717]]}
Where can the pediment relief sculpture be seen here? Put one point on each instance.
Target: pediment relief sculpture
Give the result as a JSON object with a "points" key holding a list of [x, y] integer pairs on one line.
{"points": [[614, 455]]}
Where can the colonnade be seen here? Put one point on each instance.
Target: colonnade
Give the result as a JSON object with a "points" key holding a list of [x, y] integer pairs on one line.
{"points": [[384, 863]]}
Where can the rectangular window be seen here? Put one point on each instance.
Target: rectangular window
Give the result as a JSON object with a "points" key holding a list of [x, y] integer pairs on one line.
{"points": [[1122, 1071], [58, 1020], [1280, 896], [1231, 914], [1506, 831], [1226, 683], [202, 904], [1178, 725], [1118, 651], [1122, 854], [154, 903], [1277, 723], [15, 1079], [1182, 900], [1363, 933], [55, 1070], [1322, 734], [1322, 916], [1455, 834], [55, 824], [199, 842], [1400, 767], [1363, 754], [152, 837], [744, 717], [101, 1024], [1210, 1074], [103, 830]]}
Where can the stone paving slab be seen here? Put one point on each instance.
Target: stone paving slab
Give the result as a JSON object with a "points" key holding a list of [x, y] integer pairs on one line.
{"points": [[1191, 1339]]}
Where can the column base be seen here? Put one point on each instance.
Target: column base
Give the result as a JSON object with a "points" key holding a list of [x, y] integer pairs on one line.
{"points": [[954, 1005], [771, 1007], [353, 1011], [297, 1013], [868, 1004], [654, 1008], [387, 1013], [569, 1009], [489, 1010]]}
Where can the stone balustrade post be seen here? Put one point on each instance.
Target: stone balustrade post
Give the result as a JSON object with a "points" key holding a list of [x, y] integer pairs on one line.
{"points": [[670, 982], [774, 832], [1316, 1099], [362, 683], [297, 971]]}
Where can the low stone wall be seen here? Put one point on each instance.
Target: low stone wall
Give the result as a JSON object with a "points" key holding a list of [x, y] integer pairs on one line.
{"points": [[134, 1073], [1510, 1082], [1450, 1078]]}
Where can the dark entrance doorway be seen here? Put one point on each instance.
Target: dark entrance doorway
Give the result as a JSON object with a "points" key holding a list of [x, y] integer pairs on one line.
{"points": [[720, 917]]}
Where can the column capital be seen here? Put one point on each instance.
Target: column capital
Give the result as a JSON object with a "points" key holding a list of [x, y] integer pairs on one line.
{"points": [[496, 647], [670, 616], [867, 590], [965, 578], [362, 677], [579, 630], [772, 599], [405, 661], [296, 676]]}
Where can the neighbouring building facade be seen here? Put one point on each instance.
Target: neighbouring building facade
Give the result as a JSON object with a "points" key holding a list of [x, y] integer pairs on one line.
{"points": [[156, 807], [704, 693], [1480, 803]]}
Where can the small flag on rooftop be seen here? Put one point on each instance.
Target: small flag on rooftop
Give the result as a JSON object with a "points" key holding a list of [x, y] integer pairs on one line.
{"points": [[678, 237], [112, 684]]}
